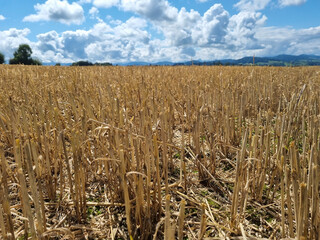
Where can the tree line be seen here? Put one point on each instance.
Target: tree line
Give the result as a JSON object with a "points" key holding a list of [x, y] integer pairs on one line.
{"points": [[87, 63], [23, 56]]}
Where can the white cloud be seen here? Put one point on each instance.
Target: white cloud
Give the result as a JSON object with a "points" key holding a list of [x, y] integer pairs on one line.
{"points": [[57, 10], [155, 10], [182, 28], [2, 17], [202, 1], [181, 35], [133, 29], [74, 43], [242, 29], [187, 34], [93, 12], [289, 41], [127, 41], [105, 3], [190, 28], [84, 1], [49, 42], [11, 39], [215, 23], [285, 3], [49, 48], [252, 5]]}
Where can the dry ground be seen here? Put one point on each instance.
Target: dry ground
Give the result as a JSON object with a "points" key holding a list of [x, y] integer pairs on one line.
{"points": [[159, 152]]}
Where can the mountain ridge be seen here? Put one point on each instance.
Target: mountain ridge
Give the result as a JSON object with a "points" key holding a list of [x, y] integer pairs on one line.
{"points": [[279, 60]]}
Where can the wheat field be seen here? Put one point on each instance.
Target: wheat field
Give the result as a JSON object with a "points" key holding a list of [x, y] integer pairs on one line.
{"points": [[159, 152]]}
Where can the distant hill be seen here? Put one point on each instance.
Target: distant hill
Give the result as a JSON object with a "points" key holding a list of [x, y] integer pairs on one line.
{"points": [[280, 60]]}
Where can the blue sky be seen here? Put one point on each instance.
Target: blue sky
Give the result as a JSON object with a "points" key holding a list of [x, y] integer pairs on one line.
{"points": [[159, 30]]}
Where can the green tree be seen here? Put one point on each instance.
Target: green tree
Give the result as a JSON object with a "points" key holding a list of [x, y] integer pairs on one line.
{"points": [[82, 63], [23, 56], [36, 62], [1, 58], [103, 64]]}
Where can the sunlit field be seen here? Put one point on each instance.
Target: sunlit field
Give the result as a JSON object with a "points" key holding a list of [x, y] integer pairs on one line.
{"points": [[159, 152]]}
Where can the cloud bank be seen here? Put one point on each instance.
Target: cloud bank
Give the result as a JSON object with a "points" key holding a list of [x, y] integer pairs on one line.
{"points": [[181, 34], [252, 5], [285, 3], [57, 10]]}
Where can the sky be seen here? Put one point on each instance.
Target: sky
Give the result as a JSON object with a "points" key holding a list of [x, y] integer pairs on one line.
{"points": [[121, 31]]}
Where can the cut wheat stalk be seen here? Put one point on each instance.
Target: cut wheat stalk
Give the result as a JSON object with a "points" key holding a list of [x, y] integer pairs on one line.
{"points": [[243, 140]]}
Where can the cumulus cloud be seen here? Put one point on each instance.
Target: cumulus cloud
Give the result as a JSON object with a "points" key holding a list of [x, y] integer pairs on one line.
{"points": [[214, 25], [11, 39], [186, 28], [184, 34], [49, 48], [190, 28], [242, 29], [57, 10], [93, 12], [133, 29], [252, 5], [74, 43], [2, 17], [127, 41], [84, 1], [285, 3], [155, 10], [105, 4], [49, 42], [182, 27], [288, 40]]}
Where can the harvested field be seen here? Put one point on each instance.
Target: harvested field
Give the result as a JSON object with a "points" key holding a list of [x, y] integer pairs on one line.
{"points": [[159, 152]]}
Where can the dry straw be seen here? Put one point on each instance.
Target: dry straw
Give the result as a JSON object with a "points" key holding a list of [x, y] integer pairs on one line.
{"points": [[162, 152]]}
